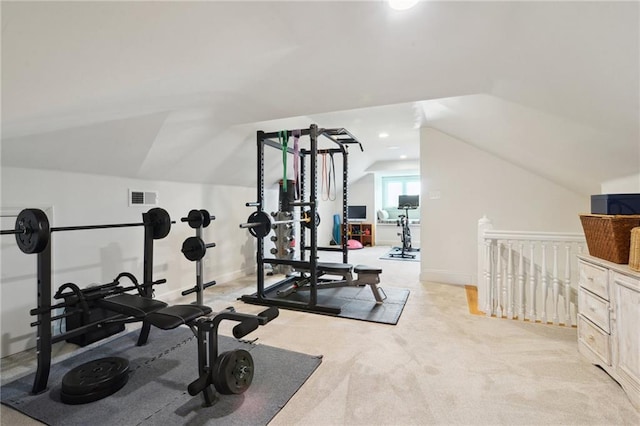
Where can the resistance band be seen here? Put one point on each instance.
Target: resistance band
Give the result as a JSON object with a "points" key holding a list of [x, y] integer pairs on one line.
{"points": [[283, 138], [327, 177]]}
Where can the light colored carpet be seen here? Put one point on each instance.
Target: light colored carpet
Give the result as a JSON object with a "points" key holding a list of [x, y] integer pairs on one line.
{"points": [[439, 365]]}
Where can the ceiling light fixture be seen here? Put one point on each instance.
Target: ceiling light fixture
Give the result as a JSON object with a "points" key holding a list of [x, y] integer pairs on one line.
{"points": [[383, 135], [403, 157], [402, 4], [393, 147]]}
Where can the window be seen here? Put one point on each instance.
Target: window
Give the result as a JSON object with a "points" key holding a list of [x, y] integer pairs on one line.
{"points": [[394, 186]]}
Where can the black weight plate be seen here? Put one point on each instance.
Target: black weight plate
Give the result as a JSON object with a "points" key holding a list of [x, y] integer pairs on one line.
{"points": [[264, 224], [161, 222], [193, 248], [32, 231], [206, 218], [233, 372], [96, 395], [95, 376], [194, 218], [306, 215]]}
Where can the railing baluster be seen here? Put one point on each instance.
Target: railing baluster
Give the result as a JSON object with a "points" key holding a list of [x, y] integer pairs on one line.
{"points": [[545, 282], [499, 287], [556, 286], [521, 296], [488, 276], [567, 285], [510, 297]]}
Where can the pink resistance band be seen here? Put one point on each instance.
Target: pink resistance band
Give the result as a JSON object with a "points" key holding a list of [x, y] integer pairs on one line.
{"points": [[296, 160]]}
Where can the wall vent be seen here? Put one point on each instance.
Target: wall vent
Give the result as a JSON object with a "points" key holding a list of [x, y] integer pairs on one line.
{"points": [[143, 198]]}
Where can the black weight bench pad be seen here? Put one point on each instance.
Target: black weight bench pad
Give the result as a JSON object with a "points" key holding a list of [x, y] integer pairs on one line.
{"points": [[364, 269], [131, 305], [176, 315]]}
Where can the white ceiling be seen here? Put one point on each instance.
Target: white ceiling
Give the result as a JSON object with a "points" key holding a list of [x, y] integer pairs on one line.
{"points": [[176, 90]]}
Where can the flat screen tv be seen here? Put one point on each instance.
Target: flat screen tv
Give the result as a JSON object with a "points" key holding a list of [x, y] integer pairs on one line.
{"points": [[408, 201], [355, 213]]}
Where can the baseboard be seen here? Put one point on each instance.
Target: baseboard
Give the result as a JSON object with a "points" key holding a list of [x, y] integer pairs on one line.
{"points": [[446, 277]]}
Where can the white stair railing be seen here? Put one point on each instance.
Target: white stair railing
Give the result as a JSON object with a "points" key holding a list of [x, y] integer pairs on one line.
{"points": [[528, 275]]}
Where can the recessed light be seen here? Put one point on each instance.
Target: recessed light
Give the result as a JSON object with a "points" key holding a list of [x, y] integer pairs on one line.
{"points": [[402, 4], [403, 157], [393, 147], [383, 135]]}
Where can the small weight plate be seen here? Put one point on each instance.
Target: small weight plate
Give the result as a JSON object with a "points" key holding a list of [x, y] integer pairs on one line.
{"points": [[193, 248], [32, 231], [194, 219], [206, 218], [160, 221], [233, 372], [95, 377]]}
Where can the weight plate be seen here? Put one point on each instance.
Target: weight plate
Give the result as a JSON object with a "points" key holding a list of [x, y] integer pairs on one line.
{"points": [[307, 223], [206, 218], [193, 248], [264, 224], [96, 376], [194, 218], [32, 231], [233, 372], [96, 395], [160, 221]]}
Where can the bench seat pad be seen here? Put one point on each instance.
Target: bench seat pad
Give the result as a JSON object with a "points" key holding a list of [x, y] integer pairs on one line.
{"points": [[176, 315], [131, 305], [364, 269]]}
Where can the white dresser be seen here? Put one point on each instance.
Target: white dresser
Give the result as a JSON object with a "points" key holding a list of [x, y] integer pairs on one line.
{"points": [[609, 320]]}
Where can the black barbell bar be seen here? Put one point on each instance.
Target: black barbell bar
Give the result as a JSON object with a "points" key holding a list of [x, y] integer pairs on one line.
{"points": [[32, 228]]}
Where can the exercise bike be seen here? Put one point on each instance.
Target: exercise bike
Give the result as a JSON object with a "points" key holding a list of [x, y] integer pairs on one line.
{"points": [[405, 235]]}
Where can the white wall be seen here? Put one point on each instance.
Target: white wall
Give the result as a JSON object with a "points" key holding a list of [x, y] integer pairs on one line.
{"points": [[624, 185], [460, 184], [97, 256]]}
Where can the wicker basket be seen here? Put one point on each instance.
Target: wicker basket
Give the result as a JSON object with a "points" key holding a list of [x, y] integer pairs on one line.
{"points": [[608, 236], [634, 251]]}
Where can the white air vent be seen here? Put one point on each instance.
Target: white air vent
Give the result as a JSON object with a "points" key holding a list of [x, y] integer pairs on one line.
{"points": [[143, 198]]}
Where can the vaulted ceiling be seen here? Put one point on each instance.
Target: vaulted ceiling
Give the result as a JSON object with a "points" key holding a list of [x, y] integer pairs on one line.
{"points": [[177, 90]]}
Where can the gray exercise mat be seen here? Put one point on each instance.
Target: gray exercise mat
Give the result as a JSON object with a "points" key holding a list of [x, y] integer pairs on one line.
{"points": [[156, 393]]}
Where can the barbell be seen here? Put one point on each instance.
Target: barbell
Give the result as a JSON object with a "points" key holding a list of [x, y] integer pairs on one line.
{"points": [[33, 232], [260, 224]]}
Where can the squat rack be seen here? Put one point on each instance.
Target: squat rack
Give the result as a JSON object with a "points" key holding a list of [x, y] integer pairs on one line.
{"points": [[341, 138]]}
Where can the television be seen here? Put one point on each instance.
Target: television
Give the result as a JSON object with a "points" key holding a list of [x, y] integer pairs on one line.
{"points": [[408, 201], [356, 213]]}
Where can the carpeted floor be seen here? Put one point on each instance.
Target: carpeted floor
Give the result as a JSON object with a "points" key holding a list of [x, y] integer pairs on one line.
{"points": [[156, 391]]}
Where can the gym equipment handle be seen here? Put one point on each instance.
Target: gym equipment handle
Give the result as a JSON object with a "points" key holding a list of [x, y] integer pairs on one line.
{"points": [[245, 327], [200, 383], [269, 314], [196, 289]]}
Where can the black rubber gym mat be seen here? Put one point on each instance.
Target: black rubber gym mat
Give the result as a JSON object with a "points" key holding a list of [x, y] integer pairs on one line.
{"points": [[357, 302], [156, 392]]}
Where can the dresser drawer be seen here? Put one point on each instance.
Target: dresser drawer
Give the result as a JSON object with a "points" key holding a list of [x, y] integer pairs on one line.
{"points": [[594, 279], [594, 308], [594, 339]]}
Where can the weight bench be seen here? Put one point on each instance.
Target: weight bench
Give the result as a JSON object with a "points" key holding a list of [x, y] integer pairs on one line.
{"points": [[213, 369], [367, 275]]}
